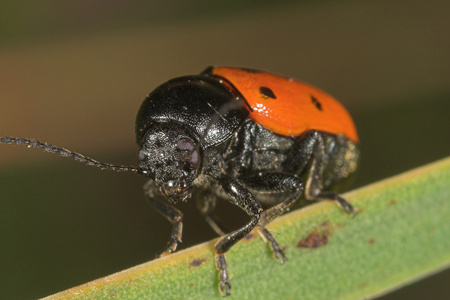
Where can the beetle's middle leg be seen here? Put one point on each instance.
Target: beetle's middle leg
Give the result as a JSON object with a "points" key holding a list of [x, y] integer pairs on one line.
{"points": [[238, 194], [275, 183], [206, 204]]}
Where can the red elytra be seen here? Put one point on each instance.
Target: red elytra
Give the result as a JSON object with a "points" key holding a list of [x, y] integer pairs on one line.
{"points": [[287, 106]]}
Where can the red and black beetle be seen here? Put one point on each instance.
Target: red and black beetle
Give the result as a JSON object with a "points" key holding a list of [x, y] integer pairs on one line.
{"points": [[239, 134]]}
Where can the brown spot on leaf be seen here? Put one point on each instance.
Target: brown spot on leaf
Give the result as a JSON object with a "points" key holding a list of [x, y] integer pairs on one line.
{"points": [[197, 262], [392, 202], [315, 239], [325, 224], [249, 236], [372, 241], [318, 237]]}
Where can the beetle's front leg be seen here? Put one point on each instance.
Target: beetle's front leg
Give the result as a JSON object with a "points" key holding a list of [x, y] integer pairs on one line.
{"points": [[240, 196], [171, 213]]}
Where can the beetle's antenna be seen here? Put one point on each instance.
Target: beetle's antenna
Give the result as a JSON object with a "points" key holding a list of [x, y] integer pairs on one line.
{"points": [[67, 153]]}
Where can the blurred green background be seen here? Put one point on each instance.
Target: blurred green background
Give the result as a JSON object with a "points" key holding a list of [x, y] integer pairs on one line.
{"points": [[73, 73]]}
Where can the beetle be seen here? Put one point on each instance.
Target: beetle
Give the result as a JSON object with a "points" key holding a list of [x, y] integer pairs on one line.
{"points": [[243, 135]]}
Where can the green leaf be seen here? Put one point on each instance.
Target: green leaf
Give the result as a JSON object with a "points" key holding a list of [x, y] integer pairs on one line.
{"points": [[400, 234]]}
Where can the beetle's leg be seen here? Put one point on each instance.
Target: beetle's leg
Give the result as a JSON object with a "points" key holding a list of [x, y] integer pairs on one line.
{"points": [[275, 182], [313, 190], [339, 200], [206, 203], [301, 153], [171, 213], [240, 196]]}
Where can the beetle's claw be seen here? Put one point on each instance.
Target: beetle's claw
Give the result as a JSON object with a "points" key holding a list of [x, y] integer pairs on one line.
{"points": [[163, 253], [171, 247], [224, 287], [278, 253], [349, 209]]}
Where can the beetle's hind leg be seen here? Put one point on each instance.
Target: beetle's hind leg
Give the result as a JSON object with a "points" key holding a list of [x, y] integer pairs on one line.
{"points": [[315, 184], [347, 207]]}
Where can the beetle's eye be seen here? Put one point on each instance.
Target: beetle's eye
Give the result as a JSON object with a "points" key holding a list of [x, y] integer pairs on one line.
{"points": [[188, 146], [194, 159], [141, 155]]}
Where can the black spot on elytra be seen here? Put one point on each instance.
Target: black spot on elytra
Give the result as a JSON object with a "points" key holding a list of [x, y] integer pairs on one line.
{"points": [[267, 93], [249, 70], [316, 103]]}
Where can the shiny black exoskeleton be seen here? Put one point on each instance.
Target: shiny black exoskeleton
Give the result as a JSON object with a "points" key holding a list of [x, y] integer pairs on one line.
{"points": [[194, 132]]}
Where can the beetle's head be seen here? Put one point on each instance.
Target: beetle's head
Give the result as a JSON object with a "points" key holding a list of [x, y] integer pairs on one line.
{"points": [[171, 158]]}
